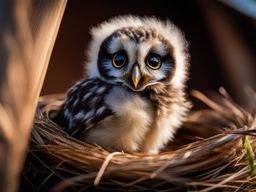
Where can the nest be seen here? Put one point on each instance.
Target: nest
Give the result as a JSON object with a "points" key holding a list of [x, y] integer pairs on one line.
{"points": [[213, 151]]}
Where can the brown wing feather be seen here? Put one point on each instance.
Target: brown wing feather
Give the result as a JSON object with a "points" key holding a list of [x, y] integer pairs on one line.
{"points": [[84, 106]]}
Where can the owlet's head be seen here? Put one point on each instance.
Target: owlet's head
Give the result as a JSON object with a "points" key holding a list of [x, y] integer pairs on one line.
{"points": [[139, 53]]}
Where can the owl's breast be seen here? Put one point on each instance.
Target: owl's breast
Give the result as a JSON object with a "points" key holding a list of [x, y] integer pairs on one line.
{"points": [[127, 128]]}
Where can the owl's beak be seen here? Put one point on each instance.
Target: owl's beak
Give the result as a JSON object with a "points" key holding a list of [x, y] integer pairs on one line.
{"points": [[135, 79], [136, 75]]}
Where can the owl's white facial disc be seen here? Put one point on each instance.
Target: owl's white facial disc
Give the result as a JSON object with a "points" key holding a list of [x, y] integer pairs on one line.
{"points": [[133, 41], [136, 57]]}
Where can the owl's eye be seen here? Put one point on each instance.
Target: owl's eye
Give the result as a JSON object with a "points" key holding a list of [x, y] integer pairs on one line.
{"points": [[153, 61], [118, 60]]}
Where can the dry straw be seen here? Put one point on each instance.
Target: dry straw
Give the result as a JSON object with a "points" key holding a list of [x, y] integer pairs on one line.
{"points": [[214, 151]]}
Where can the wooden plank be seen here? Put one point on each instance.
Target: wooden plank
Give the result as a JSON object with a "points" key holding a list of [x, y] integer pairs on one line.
{"points": [[27, 35]]}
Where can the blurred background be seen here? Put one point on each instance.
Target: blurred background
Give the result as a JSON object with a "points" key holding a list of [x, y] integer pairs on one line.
{"points": [[222, 37]]}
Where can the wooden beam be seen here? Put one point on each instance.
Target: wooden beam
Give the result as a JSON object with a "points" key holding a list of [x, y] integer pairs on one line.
{"points": [[27, 35]]}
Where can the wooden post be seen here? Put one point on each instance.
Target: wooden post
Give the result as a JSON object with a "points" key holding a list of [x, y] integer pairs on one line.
{"points": [[28, 30]]}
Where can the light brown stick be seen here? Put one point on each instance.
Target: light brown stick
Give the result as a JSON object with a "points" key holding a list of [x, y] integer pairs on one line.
{"points": [[27, 35]]}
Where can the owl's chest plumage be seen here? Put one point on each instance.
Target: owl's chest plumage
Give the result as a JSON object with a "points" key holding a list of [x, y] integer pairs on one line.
{"points": [[117, 118], [126, 129], [106, 114]]}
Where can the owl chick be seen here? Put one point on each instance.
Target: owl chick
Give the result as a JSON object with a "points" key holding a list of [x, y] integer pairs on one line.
{"points": [[133, 99]]}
